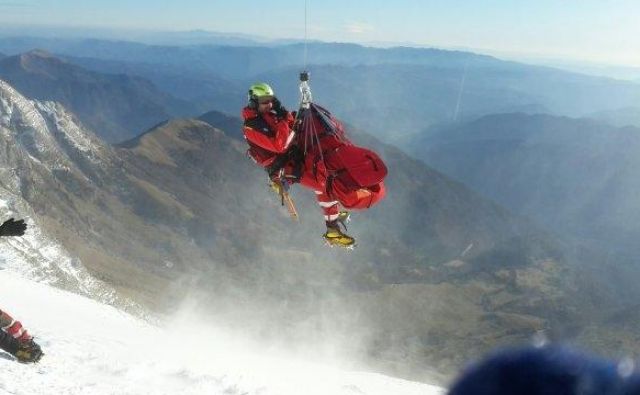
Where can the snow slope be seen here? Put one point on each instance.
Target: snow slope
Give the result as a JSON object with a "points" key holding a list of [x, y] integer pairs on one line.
{"points": [[92, 348]]}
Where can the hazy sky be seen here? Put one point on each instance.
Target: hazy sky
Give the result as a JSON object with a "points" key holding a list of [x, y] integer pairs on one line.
{"points": [[606, 31]]}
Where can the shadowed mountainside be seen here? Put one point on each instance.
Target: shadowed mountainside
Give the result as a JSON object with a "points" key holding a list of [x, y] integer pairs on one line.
{"points": [[116, 107], [576, 176], [390, 92]]}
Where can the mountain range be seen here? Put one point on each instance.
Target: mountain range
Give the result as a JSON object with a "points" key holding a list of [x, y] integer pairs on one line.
{"points": [[391, 92], [393, 101], [116, 106]]}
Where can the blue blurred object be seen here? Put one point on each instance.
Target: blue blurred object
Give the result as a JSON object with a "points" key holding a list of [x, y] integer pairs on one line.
{"points": [[546, 371]]}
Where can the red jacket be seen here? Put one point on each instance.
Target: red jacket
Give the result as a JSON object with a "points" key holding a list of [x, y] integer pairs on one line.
{"points": [[268, 135]]}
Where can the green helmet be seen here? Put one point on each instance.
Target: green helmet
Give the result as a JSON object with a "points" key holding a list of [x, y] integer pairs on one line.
{"points": [[260, 90]]}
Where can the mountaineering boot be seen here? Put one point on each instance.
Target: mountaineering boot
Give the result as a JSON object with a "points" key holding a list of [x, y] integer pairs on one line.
{"points": [[25, 351], [335, 237], [28, 352]]}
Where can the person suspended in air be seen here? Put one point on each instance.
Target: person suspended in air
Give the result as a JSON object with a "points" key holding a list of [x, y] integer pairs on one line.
{"points": [[309, 147], [14, 338]]}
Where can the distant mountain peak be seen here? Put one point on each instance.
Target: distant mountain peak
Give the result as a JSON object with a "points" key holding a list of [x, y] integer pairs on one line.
{"points": [[39, 58], [166, 130], [230, 125], [41, 53]]}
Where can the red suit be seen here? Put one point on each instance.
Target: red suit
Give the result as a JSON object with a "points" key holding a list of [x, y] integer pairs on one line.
{"points": [[272, 143]]}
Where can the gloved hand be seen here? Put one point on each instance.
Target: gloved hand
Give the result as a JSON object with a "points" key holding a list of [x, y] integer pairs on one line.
{"points": [[29, 352], [12, 227], [278, 108]]}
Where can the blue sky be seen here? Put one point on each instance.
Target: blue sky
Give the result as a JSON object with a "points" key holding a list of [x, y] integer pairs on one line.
{"points": [[604, 31]]}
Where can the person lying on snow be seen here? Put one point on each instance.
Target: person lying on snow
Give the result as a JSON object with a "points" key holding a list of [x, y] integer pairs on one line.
{"points": [[14, 338], [308, 148]]}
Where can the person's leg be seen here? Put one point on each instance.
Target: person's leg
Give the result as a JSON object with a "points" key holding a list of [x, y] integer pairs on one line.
{"points": [[330, 207], [8, 343], [15, 340], [13, 327], [332, 218]]}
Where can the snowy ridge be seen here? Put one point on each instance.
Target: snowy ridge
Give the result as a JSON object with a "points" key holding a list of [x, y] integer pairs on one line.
{"points": [[92, 348], [20, 114], [46, 130], [63, 122], [70, 131]]}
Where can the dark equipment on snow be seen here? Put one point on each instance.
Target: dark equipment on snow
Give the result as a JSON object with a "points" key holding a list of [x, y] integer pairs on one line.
{"points": [[11, 227]]}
